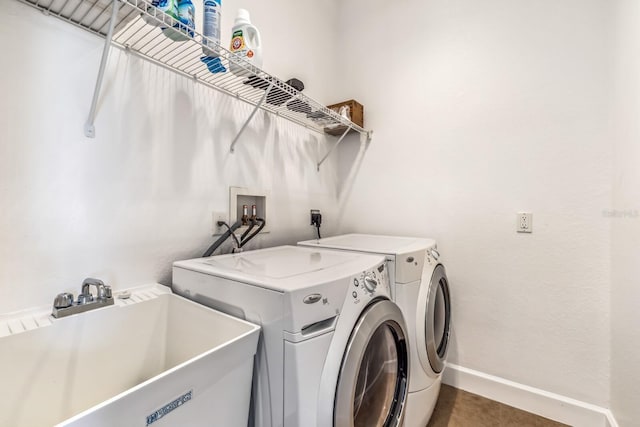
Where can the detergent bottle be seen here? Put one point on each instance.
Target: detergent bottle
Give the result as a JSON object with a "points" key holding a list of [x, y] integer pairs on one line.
{"points": [[245, 45], [170, 7], [184, 28]]}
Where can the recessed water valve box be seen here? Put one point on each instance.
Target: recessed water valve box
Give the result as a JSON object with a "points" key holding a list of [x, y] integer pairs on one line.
{"points": [[240, 197]]}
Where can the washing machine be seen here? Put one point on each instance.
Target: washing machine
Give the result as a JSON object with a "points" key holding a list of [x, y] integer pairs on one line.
{"points": [[419, 286], [334, 346]]}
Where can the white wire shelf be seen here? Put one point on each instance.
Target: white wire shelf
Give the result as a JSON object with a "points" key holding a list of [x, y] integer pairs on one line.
{"points": [[131, 33]]}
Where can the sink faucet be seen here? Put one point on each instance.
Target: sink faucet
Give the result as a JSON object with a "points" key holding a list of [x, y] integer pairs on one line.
{"points": [[63, 305], [86, 296]]}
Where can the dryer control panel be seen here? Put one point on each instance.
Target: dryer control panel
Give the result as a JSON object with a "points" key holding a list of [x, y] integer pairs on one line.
{"points": [[409, 266]]}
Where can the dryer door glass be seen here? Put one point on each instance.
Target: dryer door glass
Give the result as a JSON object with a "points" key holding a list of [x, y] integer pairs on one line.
{"points": [[438, 319], [373, 377]]}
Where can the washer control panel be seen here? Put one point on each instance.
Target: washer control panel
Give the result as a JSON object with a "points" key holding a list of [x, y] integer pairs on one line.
{"points": [[370, 283]]}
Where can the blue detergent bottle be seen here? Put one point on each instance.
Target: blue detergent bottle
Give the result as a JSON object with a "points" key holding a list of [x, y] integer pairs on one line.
{"points": [[184, 28]]}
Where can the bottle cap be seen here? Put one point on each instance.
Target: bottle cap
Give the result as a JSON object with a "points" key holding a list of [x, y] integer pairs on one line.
{"points": [[243, 17]]}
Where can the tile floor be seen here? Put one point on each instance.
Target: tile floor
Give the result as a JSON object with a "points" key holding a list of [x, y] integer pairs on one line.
{"points": [[458, 408]]}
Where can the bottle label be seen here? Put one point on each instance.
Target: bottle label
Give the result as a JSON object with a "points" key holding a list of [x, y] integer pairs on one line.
{"points": [[170, 7], [237, 41], [186, 15]]}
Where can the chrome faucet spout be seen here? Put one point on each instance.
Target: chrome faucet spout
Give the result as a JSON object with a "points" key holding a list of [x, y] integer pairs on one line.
{"points": [[86, 289]]}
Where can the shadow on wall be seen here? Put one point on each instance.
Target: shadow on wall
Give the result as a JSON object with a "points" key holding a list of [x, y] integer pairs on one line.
{"points": [[185, 137], [349, 164]]}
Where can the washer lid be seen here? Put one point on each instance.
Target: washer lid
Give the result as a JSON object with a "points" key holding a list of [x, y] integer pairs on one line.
{"points": [[389, 245], [284, 268]]}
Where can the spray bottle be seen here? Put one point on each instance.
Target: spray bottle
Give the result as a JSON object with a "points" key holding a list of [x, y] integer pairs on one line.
{"points": [[211, 27], [211, 35]]}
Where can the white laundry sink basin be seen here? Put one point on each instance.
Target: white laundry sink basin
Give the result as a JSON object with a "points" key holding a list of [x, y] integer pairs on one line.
{"points": [[154, 359]]}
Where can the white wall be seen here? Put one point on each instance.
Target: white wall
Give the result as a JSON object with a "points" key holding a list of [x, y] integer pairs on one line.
{"points": [[480, 110], [122, 207], [625, 316]]}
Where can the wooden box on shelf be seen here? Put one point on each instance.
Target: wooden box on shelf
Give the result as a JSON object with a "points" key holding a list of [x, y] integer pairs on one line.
{"points": [[356, 112]]}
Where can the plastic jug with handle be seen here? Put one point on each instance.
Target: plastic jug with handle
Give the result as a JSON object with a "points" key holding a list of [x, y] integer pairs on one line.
{"points": [[245, 45]]}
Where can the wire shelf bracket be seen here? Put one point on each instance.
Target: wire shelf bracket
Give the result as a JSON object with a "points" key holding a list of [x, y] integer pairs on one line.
{"points": [[89, 127], [366, 136], [253, 113]]}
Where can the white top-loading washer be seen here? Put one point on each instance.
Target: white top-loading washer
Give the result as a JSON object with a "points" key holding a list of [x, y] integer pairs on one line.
{"points": [[420, 288], [334, 348]]}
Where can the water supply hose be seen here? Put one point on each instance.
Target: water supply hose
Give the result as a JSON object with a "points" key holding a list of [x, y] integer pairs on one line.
{"points": [[255, 233], [222, 238]]}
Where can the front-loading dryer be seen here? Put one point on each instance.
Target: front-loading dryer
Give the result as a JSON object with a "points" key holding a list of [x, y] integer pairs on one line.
{"points": [[334, 347], [419, 286]]}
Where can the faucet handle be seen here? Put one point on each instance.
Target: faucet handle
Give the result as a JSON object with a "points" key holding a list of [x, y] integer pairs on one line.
{"points": [[63, 300], [104, 292], [84, 298]]}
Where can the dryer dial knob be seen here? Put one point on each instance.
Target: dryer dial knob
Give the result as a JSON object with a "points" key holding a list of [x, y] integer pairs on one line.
{"points": [[370, 284], [435, 254]]}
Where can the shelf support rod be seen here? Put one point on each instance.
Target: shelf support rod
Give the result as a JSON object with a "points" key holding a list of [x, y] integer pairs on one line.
{"points": [[334, 147], [89, 128], [253, 113]]}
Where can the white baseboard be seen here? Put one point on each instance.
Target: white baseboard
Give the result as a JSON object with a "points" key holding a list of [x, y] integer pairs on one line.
{"points": [[549, 405]]}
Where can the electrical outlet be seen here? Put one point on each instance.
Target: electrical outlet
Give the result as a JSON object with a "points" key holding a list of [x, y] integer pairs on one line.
{"points": [[316, 217], [219, 216], [524, 222]]}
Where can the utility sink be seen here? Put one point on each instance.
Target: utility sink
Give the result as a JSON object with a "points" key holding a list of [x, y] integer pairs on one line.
{"points": [[152, 359]]}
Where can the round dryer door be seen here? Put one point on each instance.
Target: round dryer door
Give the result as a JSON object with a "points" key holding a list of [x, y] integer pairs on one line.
{"points": [[373, 382], [434, 321]]}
